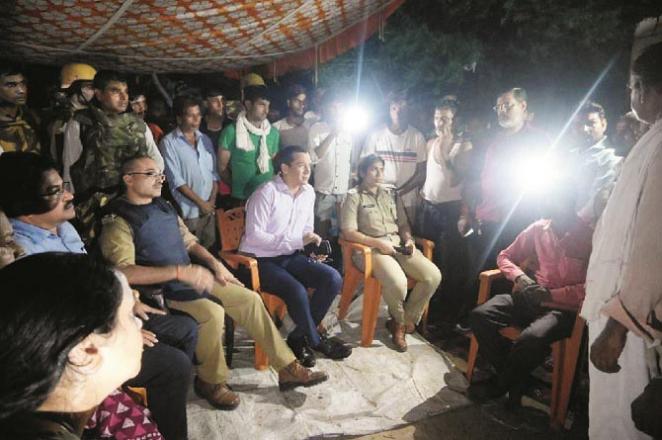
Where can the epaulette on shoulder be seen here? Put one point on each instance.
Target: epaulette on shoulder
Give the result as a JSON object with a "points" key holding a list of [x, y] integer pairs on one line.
{"points": [[108, 219]]}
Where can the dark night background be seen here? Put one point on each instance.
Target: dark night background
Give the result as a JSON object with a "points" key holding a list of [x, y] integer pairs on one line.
{"points": [[473, 48]]}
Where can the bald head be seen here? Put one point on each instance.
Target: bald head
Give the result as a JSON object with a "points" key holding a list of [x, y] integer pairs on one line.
{"points": [[142, 179]]}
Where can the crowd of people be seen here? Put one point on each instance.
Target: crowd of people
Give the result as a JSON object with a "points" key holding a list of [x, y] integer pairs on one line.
{"points": [[108, 232]]}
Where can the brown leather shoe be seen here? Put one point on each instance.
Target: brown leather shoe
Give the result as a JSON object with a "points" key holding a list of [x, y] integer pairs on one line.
{"points": [[397, 335], [219, 395], [295, 375]]}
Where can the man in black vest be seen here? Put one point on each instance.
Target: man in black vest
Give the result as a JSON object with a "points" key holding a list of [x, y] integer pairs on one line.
{"points": [[39, 208], [145, 238]]}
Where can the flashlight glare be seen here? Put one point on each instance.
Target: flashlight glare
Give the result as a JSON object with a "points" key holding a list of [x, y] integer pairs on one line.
{"points": [[537, 174], [355, 119]]}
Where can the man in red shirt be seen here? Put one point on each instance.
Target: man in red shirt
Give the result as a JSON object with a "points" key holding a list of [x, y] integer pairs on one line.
{"points": [[560, 244]]}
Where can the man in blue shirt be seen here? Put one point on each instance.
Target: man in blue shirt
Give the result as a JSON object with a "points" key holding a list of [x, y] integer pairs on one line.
{"points": [[39, 207], [190, 166]]}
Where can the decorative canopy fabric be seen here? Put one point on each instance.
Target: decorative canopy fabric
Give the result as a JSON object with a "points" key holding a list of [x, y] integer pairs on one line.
{"points": [[187, 36]]}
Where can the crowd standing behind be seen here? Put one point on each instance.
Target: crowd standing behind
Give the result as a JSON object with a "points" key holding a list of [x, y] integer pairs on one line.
{"points": [[90, 179]]}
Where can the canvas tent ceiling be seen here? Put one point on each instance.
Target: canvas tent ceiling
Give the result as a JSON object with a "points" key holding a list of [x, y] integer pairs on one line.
{"points": [[187, 36]]}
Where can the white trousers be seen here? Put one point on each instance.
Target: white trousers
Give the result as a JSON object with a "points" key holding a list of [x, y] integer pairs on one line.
{"points": [[611, 394]]}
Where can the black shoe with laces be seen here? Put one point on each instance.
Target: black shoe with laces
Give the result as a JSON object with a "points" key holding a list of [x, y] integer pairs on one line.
{"points": [[302, 351], [333, 348]]}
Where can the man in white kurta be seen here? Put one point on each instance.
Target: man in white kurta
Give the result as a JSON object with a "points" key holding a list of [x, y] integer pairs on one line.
{"points": [[625, 270]]}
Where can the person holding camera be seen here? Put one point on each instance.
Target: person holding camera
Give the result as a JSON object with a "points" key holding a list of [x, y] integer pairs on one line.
{"points": [[279, 225], [372, 215]]}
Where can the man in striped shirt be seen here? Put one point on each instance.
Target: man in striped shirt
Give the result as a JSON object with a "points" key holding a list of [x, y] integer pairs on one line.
{"points": [[403, 149]]}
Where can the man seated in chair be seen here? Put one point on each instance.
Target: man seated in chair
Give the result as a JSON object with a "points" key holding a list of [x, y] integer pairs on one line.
{"points": [[145, 238], [39, 207], [542, 306], [279, 223], [371, 216]]}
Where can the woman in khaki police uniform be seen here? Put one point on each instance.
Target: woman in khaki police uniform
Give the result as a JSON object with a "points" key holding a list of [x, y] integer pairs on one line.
{"points": [[370, 217]]}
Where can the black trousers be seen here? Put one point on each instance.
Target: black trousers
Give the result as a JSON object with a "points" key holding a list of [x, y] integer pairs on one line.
{"points": [[514, 360], [438, 222], [166, 371]]}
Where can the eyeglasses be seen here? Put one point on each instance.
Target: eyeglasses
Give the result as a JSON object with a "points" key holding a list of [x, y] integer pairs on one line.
{"points": [[503, 107], [57, 191], [153, 174]]}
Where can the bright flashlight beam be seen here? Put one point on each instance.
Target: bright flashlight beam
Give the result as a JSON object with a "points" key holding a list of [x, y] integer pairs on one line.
{"points": [[355, 119], [585, 99], [552, 147]]}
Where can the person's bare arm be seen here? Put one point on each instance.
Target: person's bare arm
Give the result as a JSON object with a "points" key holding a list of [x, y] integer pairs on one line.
{"points": [[224, 165], [416, 181]]}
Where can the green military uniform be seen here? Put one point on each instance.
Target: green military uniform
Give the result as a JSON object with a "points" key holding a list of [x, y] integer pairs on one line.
{"points": [[380, 215], [20, 133], [246, 176], [108, 140]]}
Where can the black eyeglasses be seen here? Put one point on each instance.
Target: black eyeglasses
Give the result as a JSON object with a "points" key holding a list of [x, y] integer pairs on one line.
{"points": [[57, 191], [152, 174]]}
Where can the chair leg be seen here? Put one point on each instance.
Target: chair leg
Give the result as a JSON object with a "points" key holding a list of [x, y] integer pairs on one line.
{"points": [[229, 340], [570, 359], [558, 349], [371, 298], [349, 285], [471, 358]]}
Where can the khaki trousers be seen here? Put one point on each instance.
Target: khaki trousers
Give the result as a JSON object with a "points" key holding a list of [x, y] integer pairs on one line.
{"points": [[247, 310], [392, 273]]}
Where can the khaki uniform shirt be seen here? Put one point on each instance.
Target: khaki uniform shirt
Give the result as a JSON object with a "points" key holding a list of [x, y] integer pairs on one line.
{"points": [[376, 215], [116, 240]]}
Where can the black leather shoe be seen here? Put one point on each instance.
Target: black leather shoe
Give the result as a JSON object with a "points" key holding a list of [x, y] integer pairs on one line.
{"points": [[333, 348], [486, 390], [302, 351]]}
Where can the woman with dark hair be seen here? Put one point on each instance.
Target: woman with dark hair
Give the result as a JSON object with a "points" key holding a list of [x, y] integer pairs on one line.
{"points": [[68, 338], [371, 215]]}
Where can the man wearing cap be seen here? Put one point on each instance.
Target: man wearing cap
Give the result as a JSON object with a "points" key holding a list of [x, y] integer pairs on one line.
{"points": [[76, 84], [18, 125], [96, 142], [247, 146], [139, 107]]}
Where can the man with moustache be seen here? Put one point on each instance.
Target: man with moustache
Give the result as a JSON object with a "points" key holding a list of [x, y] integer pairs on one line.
{"points": [[39, 207], [597, 165], [96, 142], [191, 170], [146, 239], [214, 120], [18, 125], [404, 152], [501, 212], [294, 128], [246, 147], [623, 305]]}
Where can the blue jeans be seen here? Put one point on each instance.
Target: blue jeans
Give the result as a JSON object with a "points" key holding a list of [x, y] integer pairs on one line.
{"points": [[289, 277]]}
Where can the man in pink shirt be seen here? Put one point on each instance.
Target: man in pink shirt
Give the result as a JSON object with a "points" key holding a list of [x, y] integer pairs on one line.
{"points": [[561, 246], [503, 208]]}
